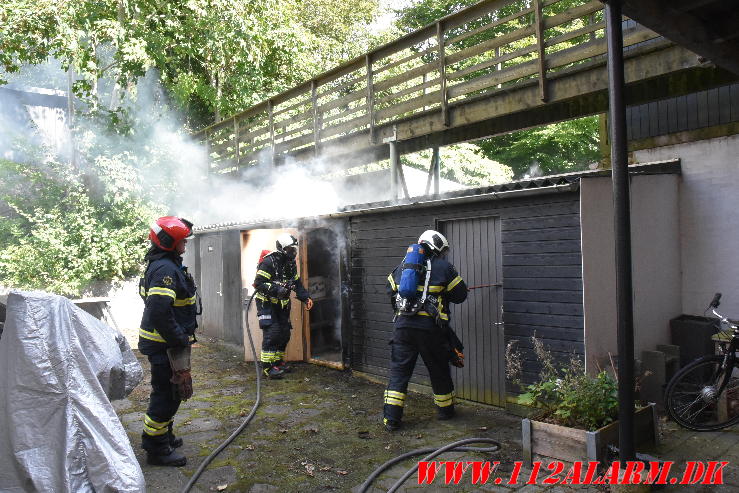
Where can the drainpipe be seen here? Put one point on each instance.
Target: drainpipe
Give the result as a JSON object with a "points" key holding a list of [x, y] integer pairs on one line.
{"points": [[622, 222]]}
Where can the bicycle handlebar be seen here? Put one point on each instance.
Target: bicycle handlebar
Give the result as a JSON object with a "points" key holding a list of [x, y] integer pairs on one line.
{"points": [[724, 320]]}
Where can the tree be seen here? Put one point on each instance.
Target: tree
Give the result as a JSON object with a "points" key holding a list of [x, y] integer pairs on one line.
{"points": [[63, 239], [557, 148], [216, 57]]}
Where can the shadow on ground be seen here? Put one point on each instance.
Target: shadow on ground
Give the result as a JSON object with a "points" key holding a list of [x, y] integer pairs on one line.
{"points": [[317, 430]]}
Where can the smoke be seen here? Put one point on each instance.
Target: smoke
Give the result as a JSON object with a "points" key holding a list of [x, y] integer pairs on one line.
{"points": [[154, 158]]}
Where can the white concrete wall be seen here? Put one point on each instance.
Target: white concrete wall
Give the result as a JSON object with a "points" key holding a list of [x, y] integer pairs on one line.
{"points": [[127, 307], [709, 220], [655, 262]]}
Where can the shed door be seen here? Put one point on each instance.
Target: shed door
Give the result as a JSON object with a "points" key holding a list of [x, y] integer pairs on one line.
{"points": [[211, 278], [476, 252]]}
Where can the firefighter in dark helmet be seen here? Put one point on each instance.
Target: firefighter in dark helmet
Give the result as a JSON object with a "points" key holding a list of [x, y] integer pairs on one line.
{"points": [[277, 275], [422, 327], [167, 330]]}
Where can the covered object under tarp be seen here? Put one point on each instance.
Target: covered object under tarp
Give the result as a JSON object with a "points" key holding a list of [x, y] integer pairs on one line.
{"points": [[59, 369]]}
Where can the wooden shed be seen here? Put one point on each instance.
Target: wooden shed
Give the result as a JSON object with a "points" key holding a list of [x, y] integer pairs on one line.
{"points": [[540, 246]]}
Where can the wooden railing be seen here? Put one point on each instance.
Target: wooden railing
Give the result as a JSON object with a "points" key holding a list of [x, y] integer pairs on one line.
{"points": [[488, 48]]}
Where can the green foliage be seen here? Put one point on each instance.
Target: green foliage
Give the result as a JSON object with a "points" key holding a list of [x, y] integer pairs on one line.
{"points": [[575, 399], [215, 57], [567, 395], [463, 163], [558, 148], [62, 238]]}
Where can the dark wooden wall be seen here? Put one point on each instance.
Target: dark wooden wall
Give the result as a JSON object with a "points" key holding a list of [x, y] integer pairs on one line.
{"points": [[690, 112], [542, 275]]}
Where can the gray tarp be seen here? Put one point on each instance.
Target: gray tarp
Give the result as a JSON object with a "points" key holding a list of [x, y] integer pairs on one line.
{"points": [[59, 369]]}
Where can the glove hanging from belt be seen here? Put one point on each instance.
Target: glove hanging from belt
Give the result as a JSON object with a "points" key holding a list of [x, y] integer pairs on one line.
{"points": [[179, 360], [456, 356]]}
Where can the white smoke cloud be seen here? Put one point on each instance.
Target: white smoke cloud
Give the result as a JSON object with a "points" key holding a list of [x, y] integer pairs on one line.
{"points": [[160, 160]]}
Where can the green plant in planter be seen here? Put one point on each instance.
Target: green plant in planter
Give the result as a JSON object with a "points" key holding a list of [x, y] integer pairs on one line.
{"points": [[568, 396]]}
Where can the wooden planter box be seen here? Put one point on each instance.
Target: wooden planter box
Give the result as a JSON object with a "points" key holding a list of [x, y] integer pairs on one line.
{"points": [[572, 444]]}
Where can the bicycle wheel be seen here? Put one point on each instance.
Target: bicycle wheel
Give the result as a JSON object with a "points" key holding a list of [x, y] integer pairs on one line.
{"points": [[692, 397]]}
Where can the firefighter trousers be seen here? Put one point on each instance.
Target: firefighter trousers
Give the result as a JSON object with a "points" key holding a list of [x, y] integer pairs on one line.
{"points": [[163, 405], [275, 337], [407, 344]]}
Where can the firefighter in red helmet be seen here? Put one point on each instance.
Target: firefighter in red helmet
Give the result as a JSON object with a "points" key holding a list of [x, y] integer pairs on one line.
{"points": [[167, 330]]}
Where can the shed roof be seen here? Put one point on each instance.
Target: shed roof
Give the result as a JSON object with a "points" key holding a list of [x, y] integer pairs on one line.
{"points": [[566, 182]]}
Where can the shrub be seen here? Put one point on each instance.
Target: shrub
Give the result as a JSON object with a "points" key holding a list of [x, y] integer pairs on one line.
{"points": [[567, 395]]}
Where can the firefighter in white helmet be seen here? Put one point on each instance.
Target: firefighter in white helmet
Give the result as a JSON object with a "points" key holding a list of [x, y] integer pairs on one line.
{"points": [[277, 275], [422, 325]]}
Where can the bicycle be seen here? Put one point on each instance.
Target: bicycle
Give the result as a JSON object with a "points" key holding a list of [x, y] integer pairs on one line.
{"points": [[704, 395]]}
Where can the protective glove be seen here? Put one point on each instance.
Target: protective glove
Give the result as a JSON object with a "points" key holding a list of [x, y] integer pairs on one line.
{"points": [[182, 340], [281, 291], [183, 380], [456, 358], [179, 361]]}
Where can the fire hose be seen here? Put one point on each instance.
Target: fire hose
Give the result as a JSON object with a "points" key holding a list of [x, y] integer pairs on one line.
{"points": [[433, 452], [458, 445], [482, 286], [247, 419]]}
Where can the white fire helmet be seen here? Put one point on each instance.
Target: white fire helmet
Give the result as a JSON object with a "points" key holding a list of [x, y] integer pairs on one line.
{"points": [[286, 240], [435, 241]]}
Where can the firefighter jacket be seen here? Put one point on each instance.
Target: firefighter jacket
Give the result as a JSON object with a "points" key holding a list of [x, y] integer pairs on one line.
{"points": [[445, 286], [169, 295], [276, 270]]}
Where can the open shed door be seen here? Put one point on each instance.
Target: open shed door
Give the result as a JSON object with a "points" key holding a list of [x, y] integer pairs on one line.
{"points": [[476, 252]]}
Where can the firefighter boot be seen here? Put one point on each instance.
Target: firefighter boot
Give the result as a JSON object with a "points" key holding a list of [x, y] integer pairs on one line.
{"points": [[165, 456], [444, 413], [391, 424], [272, 371]]}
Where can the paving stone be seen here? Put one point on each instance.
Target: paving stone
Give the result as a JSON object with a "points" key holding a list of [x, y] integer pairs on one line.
{"points": [[275, 409], [197, 404], [213, 477], [264, 488], [121, 405], [136, 417], [165, 479], [199, 424]]}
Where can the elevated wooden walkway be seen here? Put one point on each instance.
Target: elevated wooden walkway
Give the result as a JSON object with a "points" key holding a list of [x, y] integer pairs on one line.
{"points": [[498, 66]]}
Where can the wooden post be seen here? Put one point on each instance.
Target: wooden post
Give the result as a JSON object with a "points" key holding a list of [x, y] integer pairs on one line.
{"points": [[394, 164], [237, 152], [442, 73], [539, 21], [207, 150], [401, 179], [437, 170], [434, 172], [526, 441], [370, 98], [316, 117], [270, 111]]}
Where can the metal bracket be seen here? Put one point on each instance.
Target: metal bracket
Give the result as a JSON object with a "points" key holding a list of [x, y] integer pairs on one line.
{"points": [[393, 137]]}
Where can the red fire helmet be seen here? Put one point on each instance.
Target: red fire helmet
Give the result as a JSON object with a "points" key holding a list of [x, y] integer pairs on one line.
{"points": [[167, 231]]}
